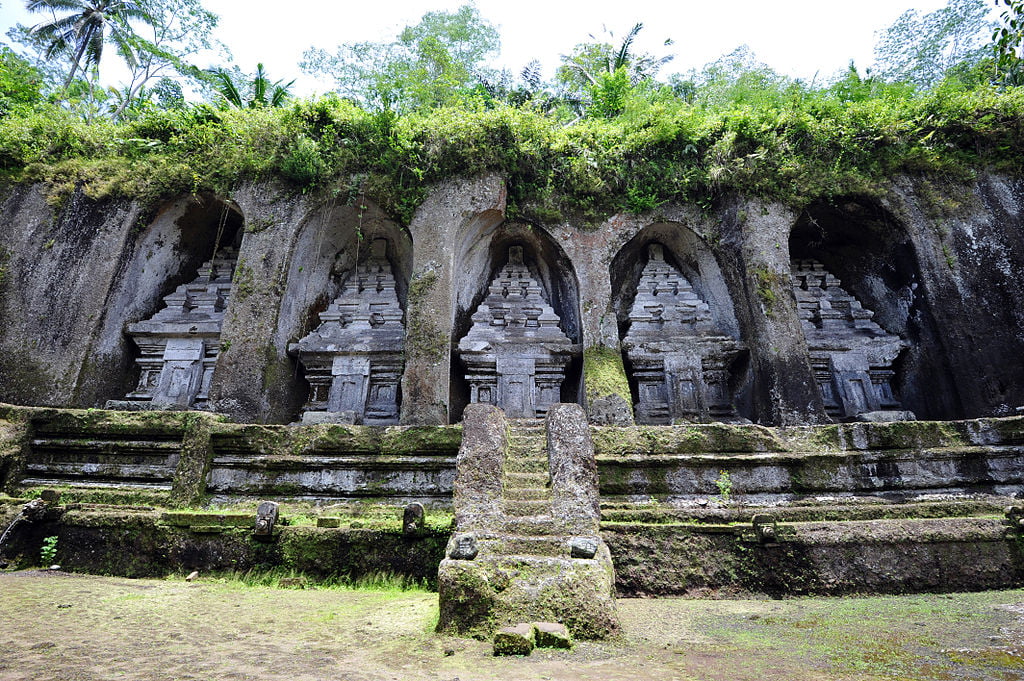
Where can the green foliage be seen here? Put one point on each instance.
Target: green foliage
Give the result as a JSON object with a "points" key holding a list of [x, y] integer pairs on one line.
{"points": [[83, 28], [435, 63], [739, 131], [48, 552], [1008, 41], [921, 48], [258, 94], [20, 82], [724, 485]]}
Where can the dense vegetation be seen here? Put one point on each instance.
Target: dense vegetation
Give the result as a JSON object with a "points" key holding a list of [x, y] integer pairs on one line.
{"points": [[616, 139]]}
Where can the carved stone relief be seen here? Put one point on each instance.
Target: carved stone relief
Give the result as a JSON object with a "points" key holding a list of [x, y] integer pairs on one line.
{"points": [[515, 354], [180, 343], [354, 359], [681, 361], [851, 355]]}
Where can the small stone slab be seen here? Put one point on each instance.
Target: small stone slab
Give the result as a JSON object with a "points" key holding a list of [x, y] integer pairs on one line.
{"points": [[413, 519], [583, 547], [463, 547], [551, 635], [328, 521], [517, 640], [885, 416]]}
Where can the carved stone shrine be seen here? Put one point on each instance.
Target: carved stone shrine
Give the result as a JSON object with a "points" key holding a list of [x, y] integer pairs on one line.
{"points": [[681, 360], [180, 343], [851, 355], [354, 359], [515, 354]]}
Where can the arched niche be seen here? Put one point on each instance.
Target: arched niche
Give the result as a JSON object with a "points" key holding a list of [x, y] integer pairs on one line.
{"points": [[873, 258], [179, 280], [693, 369], [483, 250], [330, 248]]}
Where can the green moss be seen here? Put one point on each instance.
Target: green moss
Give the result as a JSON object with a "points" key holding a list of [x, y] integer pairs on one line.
{"points": [[425, 339], [604, 374], [421, 439], [767, 284]]}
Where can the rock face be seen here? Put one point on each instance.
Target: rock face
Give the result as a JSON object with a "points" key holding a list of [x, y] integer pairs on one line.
{"points": [[537, 552], [943, 279], [353, 360], [180, 343], [852, 356], [680, 359], [515, 354]]}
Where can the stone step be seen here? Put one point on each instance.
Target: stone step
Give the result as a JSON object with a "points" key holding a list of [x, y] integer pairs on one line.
{"points": [[526, 466], [557, 546], [521, 479], [526, 508], [538, 525], [527, 493], [524, 453]]}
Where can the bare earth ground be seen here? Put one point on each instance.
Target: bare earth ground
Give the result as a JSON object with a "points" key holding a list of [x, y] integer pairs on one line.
{"points": [[61, 627]]}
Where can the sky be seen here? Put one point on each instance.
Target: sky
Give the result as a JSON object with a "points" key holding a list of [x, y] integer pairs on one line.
{"points": [[800, 38]]}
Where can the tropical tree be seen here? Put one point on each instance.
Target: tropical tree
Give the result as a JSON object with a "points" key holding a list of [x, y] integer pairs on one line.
{"points": [[602, 74], [80, 29], [259, 93], [430, 64], [921, 48], [176, 31], [1008, 40]]}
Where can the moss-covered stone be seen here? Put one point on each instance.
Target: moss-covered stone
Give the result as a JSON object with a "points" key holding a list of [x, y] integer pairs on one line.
{"points": [[604, 374]]}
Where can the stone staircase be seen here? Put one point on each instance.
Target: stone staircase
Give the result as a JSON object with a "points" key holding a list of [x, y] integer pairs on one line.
{"points": [[525, 548], [528, 529]]}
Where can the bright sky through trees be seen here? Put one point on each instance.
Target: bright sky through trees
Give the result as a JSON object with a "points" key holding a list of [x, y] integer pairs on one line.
{"points": [[799, 38]]}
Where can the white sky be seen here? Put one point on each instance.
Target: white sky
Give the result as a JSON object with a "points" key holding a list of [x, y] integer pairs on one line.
{"points": [[796, 37]]}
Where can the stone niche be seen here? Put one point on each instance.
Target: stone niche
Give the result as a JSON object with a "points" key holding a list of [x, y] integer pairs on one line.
{"points": [[681, 360], [515, 352], [180, 343], [852, 356], [354, 359]]}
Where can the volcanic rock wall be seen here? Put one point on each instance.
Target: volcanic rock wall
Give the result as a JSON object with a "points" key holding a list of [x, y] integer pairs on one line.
{"points": [[938, 266]]}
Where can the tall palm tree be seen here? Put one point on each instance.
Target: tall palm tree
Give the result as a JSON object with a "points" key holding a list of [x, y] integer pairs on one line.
{"points": [[264, 93], [80, 28]]}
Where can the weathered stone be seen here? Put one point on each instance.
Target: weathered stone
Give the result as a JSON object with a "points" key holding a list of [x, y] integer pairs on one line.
{"points": [[610, 410], [353, 360], [481, 458], [413, 519], [764, 528], [851, 355], [525, 568], [885, 416], [583, 547], [574, 482], [517, 640], [463, 547], [312, 418], [681, 360], [179, 345], [266, 518], [551, 635], [515, 353]]}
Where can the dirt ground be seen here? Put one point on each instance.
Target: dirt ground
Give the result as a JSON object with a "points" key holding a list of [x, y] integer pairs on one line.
{"points": [[58, 626]]}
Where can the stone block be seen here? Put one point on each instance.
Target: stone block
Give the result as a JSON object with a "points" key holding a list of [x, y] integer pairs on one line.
{"points": [[266, 518], [573, 468], [551, 635], [517, 640], [886, 416], [413, 519], [463, 547], [583, 547]]}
